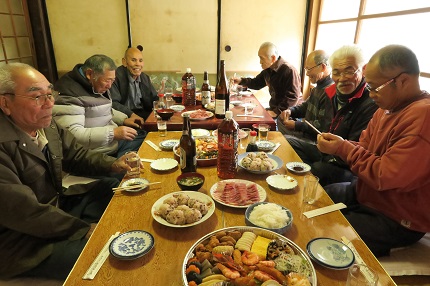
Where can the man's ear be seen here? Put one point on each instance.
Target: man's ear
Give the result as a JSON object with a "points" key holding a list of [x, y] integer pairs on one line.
{"points": [[4, 105], [89, 74], [124, 62], [273, 57]]}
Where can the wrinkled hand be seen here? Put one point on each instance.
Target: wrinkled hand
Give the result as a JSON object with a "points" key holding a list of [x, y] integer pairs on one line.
{"points": [[134, 121], [90, 232], [236, 80], [124, 133], [120, 165], [329, 143], [285, 117]]}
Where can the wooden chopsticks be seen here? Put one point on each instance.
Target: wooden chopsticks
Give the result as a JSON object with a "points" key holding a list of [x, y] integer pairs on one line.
{"points": [[134, 186]]}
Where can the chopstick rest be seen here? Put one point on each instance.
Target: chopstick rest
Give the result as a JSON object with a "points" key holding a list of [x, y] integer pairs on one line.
{"points": [[150, 143], [324, 210]]}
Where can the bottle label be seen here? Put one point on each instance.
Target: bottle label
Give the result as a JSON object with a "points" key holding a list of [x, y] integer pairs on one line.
{"points": [[182, 158], [219, 106], [206, 97], [227, 141]]}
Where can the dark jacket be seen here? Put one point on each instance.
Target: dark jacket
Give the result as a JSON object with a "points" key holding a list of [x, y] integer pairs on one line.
{"points": [[349, 121], [284, 84], [29, 188], [121, 90]]}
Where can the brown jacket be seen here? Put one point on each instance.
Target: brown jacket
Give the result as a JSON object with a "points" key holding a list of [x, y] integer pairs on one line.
{"points": [[29, 219]]}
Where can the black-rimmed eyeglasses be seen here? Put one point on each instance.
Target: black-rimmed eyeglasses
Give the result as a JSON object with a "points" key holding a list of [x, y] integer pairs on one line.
{"points": [[311, 68], [39, 99], [375, 90]]}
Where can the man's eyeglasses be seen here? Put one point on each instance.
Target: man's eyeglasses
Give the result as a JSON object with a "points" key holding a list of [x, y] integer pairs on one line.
{"points": [[347, 73], [311, 68], [39, 99], [375, 90]]}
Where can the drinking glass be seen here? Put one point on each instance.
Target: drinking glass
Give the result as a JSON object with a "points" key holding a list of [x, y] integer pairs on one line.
{"points": [[239, 92], [361, 275], [155, 107], [263, 132], [310, 189], [133, 161], [162, 127], [168, 95], [244, 138], [249, 107]]}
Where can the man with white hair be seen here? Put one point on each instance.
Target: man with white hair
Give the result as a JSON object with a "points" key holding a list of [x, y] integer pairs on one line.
{"points": [[280, 76]]}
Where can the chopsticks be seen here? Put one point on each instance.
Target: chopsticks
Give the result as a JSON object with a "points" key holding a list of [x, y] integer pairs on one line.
{"points": [[134, 186], [150, 143], [313, 127]]}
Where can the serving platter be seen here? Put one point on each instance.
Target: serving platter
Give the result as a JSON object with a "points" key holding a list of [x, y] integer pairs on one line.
{"points": [[275, 160], [306, 261], [193, 195], [261, 192], [204, 114]]}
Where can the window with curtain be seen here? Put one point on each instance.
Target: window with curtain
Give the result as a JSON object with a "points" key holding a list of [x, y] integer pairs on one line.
{"points": [[373, 24]]}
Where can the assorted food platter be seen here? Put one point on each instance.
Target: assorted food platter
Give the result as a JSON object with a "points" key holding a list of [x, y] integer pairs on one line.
{"points": [[330, 253], [307, 270], [131, 244], [168, 144], [199, 114], [206, 150], [135, 181], [218, 198], [298, 167], [274, 160], [192, 195], [198, 132]]}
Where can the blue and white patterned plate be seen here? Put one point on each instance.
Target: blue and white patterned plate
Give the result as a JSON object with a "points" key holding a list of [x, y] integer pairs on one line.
{"points": [[168, 144], [131, 244], [330, 253]]}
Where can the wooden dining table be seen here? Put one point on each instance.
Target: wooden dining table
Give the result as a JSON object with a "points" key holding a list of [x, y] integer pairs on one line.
{"points": [[163, 264], [175, 122]]}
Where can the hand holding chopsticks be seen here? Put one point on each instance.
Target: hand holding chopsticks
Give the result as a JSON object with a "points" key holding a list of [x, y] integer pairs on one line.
{"points": [[313, 127], [137, 186]]}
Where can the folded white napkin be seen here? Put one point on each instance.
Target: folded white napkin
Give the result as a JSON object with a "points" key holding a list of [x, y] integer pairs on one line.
{"points": [[324, 210]]}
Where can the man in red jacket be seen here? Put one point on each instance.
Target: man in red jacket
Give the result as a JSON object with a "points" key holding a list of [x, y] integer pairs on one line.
{"points": [[388, 204]]}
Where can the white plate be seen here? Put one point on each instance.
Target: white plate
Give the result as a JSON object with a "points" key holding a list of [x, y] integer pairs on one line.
{"points": [[200, 132], [242, 134], [298, 167], [245, 93], [282, 182], [168, 144], [194, 195], [164, 164], [210, 107], [131, 244], [236, 102], [135, 181], [276, 161], [261, 192], [177, 108], [306, 262], [265, 145], [209, 114], [330, 253]]}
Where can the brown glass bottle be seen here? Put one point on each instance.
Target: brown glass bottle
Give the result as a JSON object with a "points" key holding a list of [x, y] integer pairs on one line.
{"points": [[187, 148], [222, 95], [206, 90], [227, 147], [188, 89]]}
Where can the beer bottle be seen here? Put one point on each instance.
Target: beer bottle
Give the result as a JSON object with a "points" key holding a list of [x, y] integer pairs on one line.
{"points": [[187, 148], [206, 90], [188, 89], [222, 95], [227, 147]]}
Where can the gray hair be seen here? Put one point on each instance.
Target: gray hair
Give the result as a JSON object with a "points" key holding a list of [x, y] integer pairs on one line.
{"points": [[270, 48], [321, 57], [98, 64], [349, 51], [7, 72], [397, 56]]}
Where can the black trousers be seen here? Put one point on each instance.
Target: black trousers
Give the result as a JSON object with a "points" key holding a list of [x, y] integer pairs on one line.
{"points": [[379, 232], [88, 207]]}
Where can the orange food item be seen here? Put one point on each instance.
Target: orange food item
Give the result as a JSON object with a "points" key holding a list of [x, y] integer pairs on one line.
{"points": [[192, 268], [192, 283]]}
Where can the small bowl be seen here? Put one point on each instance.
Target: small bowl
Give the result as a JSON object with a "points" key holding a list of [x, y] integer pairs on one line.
{"points": [[190, 187], [177, 97], [165, 113], [280, 230]]}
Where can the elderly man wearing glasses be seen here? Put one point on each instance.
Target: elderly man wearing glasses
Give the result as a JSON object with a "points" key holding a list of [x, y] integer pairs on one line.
{"points": [[350, 109], [388, 203], [43, 225]]}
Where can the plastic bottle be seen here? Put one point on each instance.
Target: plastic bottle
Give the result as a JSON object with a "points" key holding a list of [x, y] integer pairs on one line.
{"points": [[188, 89], [228, 141], [222, 95], [252, 145], [206, 90], [187, 148]]}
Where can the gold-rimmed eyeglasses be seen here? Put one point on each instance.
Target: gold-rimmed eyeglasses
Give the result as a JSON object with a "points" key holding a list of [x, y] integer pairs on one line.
{"points": [[375, 90], [39, 99], [345, 73]]}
